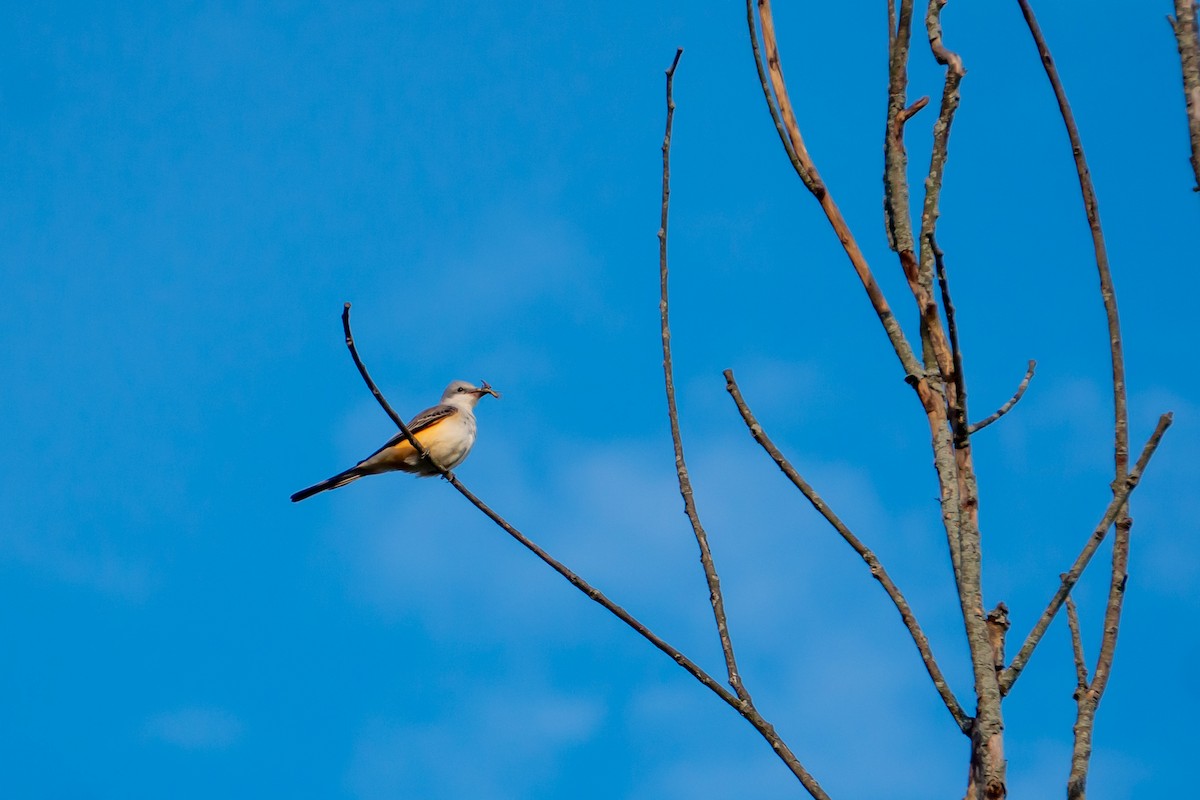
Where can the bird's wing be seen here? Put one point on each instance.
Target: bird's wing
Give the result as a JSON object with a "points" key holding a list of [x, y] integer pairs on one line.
{"points": [[429, 416], [420, 422]]}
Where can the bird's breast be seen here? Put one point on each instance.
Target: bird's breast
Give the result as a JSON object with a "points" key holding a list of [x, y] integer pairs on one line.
{"points": [[450, 441]]}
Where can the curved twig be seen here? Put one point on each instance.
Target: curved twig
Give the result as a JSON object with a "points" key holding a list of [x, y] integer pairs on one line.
{"points": [[685, 482], [378, 395], [1116, 507], [1092, 209], [1008, 406], [872, 561]]}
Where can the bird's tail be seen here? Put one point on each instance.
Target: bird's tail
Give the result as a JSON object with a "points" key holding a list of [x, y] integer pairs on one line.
{"points": [[341, 479]]}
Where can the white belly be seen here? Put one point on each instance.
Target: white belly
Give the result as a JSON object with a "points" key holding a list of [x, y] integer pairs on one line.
{"points": [[449, 442]]}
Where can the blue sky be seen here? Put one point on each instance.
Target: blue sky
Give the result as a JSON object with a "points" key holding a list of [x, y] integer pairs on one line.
{"points": [[191, 191]]}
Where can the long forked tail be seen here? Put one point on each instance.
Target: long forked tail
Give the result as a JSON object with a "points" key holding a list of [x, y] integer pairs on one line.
{"points": [[341, 479]]}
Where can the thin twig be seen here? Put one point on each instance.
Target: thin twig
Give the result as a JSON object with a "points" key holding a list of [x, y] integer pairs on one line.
{"points": [[1116, 507], [1081, 670], [685, 482], [1187, 40], [872, 561], [1008, 406], [746, 710], [378, 395]]}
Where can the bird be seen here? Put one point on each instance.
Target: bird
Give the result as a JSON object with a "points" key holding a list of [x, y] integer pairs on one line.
{"points": [[446, 431]]}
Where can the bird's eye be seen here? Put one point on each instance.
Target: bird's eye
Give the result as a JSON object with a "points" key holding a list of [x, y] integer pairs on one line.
{"points": [[462, 388]]}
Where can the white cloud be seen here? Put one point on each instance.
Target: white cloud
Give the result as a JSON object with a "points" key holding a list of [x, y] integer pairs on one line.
{"points": [[74, 563], [1039, 769], [195, 728], [509, 262], [717, 777], [508, 743], [1070, 417], [1166, 506]]}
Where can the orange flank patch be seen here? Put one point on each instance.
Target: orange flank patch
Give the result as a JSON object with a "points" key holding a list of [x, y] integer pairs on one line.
{"points": [[402, 453], [398, 452]]}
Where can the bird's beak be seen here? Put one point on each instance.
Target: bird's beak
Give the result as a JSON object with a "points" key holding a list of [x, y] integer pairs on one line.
{"points": [[484, 388]]}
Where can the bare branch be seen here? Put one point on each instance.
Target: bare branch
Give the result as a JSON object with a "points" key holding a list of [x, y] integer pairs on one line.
{"points": [[1081, 670], [911, 111], [1187, 39], [1012, 401], [897, 215], [807, 170], [745, 709], [1087, 702], [685, 483], [1092, 210], [872, 561], [1116, 508]]}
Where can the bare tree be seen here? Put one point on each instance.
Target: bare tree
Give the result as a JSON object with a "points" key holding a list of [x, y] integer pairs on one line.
{"points": [[935, 371]]}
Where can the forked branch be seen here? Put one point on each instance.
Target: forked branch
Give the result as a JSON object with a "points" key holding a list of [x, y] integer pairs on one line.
{"points": [[776, 95], [685, 483], [922, 282]]}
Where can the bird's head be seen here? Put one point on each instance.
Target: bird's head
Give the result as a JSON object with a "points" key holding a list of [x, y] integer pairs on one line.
{"points": [[460, 393]]}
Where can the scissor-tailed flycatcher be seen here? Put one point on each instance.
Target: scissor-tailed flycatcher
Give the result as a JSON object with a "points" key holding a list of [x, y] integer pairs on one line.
{"points": [[446, 431]]}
